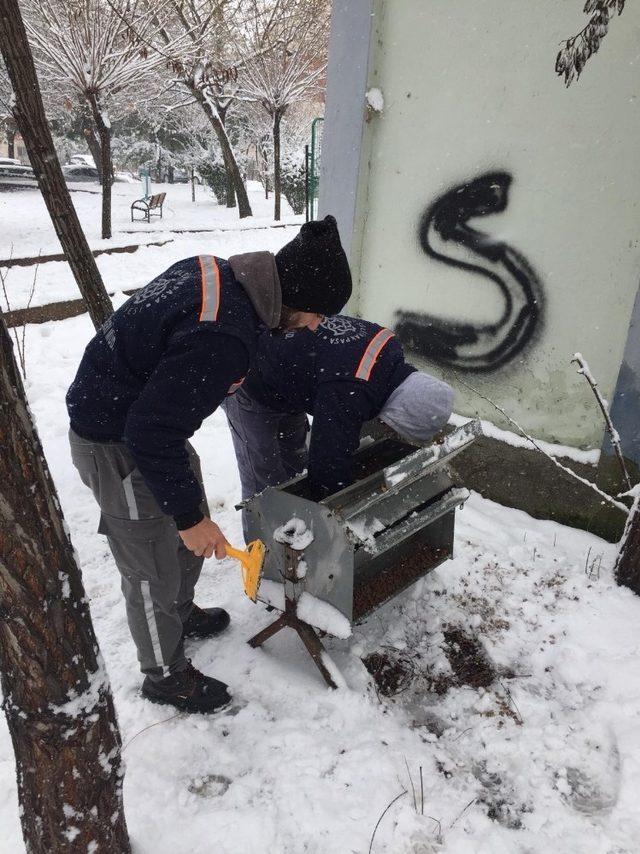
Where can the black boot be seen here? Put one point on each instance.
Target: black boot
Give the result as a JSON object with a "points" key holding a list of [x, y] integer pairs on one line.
{"points": [[205, 622], [188, 690]]}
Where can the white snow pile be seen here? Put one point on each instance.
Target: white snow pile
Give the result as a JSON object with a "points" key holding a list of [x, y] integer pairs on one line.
{"points": [[312, 610], [323, 616], [338, 679], [375, 99], [634, 492], [394, 477], [516, 440], [294, 533], [365, 530]]}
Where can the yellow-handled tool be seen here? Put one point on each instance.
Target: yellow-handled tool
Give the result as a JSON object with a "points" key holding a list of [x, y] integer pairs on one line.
{"points": [[252, 560]]}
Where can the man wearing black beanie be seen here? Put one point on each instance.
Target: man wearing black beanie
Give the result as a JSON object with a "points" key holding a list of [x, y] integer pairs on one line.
{"points": [[160, 365], [313, 269]]}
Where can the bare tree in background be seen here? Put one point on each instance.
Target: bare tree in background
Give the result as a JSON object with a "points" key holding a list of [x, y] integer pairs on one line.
{"points": [[255, 129], [284, 61], [57, 698], [202, 70], [224, 93], [577, 50], [28, 111], [88, 47]]}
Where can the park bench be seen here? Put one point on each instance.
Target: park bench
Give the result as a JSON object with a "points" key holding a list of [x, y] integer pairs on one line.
{"points": [[148, 207]]}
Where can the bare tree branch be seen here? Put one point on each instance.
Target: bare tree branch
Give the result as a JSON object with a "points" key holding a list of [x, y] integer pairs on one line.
{"points": [[583, 368], [89, 47], [283, 61], [608, 498]]}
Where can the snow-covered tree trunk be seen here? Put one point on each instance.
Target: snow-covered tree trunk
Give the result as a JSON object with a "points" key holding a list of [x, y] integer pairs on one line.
{"points": [[57, 697], [628, 562], [277, 176], [93, 144], [244, 208], [263, 157], [31, 120], [103, 127], [231, 189]]}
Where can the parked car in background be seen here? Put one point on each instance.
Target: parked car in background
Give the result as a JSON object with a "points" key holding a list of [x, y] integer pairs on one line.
{"points": [[82, 160], [15, 176], [75, 172]]}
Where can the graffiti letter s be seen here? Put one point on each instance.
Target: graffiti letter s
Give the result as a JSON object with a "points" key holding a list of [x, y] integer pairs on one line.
{"points": [[475, 346]]}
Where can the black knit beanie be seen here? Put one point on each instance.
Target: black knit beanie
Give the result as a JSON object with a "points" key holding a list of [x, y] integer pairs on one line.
{"points": [[313, 269]]}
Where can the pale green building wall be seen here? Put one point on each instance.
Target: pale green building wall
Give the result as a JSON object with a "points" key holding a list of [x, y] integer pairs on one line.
{"points": [[469, 88]]}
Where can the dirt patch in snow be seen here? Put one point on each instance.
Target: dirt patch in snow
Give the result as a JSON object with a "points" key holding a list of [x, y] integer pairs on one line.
{"points": [[468, 660], [390, 674], [394, 671]]}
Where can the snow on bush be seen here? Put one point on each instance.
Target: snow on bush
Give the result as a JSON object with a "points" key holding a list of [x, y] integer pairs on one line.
{"points": [[293, 179]]}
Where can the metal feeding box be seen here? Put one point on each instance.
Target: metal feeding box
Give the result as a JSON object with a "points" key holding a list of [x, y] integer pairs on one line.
{"points": [[369, 541]]}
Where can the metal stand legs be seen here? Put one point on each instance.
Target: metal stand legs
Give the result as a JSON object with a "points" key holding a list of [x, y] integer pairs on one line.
{"points": [[290, 618]]}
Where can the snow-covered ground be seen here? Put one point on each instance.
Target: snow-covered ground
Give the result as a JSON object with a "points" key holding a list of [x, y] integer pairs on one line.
{"points": [[545, 756], [27, 232]]}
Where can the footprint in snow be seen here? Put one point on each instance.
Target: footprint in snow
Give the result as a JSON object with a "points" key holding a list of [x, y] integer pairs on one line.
{"points": [[590, 779]]}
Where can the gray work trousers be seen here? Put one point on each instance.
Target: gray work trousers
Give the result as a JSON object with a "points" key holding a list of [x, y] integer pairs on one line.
{"points": [[270, 446], [158, 572]]}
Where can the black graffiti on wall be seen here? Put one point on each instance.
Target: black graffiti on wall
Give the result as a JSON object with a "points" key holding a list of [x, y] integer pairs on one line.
{"points": [[444, 231]]}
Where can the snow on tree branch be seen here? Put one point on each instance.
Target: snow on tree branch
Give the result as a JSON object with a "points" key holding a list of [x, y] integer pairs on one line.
{"points": [[91, 46], [283, 52], [583, 368], [608, 498]]}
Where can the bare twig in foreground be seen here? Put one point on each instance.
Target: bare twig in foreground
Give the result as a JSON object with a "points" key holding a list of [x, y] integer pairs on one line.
{"points": [[459, 816], [608, 498], [583, 368], [384, 812]]}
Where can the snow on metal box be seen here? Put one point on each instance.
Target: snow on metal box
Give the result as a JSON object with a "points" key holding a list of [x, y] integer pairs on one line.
{"points": [[404, 500], [329, 557]]}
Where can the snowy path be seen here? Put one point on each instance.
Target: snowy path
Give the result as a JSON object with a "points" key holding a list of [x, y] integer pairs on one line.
{"points": [[27, 231], [546, 758]]}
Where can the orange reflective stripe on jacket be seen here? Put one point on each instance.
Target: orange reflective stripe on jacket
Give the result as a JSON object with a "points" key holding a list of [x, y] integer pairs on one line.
{"points": [[370, 355], [210, 282]]}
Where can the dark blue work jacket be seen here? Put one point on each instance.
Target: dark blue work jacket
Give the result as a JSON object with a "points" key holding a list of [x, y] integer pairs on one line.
{"points": [[159, 366], [342, 374]]}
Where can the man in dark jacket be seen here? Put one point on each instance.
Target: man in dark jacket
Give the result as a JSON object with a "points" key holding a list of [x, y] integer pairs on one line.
{"points": [[345, 373], [155, 370]]}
